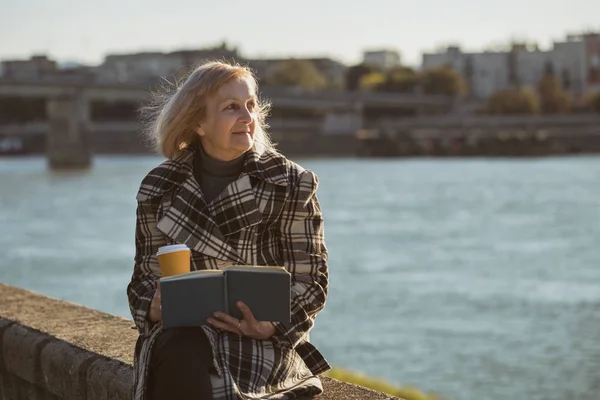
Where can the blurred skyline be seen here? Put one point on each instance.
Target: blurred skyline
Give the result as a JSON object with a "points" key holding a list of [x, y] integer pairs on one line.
{"points": [[85, 31]]}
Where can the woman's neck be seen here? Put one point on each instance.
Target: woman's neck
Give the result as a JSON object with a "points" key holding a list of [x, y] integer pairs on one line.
{"points": [[218, 167]]}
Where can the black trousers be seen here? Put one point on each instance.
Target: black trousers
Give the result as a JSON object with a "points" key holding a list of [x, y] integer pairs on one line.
{"points": [[180, 365]]}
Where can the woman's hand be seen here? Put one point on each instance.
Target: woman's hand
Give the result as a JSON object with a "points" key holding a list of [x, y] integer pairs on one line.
{"points": [[248, 326], [155, 310]]}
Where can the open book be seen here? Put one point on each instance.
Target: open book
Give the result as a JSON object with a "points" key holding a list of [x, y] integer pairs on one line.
{"points": [[189, 299]]}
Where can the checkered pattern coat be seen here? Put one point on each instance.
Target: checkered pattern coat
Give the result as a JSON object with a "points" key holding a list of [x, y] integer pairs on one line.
{"points": [[269, 216]]}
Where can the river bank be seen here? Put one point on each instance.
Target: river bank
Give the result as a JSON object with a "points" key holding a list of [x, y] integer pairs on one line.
{"points": [[503, 144]]}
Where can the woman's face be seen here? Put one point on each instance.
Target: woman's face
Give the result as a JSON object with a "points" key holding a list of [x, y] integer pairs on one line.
{"points": [[227, 131]]}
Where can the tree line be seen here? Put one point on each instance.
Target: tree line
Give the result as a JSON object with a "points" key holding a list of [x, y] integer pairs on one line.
{"points": [[547, 97], [304, 74]]}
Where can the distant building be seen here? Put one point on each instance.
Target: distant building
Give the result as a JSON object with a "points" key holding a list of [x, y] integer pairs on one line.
{"points": [[575, 63], [148, 66], [77, 73], [485, 73], [578, 61], [566, 60], [139, 67], [41, 67], [35, 68], [384, 59]]}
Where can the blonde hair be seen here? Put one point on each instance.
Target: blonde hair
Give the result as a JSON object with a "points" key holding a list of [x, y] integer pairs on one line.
{"points": [[173, 115]]}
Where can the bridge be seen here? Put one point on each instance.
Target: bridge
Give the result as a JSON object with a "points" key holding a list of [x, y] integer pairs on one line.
{"points": [[68, 111], [279, 96]]}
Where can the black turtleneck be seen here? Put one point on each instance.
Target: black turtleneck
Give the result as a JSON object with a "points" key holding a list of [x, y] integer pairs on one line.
{"points": [[214, 175]]}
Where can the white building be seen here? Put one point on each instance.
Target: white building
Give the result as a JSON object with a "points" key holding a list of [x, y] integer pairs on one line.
{"points": [[485, 73], [529, 66], [384, 59], [575, 63], [566, 61]]}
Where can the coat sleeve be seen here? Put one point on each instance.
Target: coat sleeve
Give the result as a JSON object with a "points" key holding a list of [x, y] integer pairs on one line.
{"points": [[305, 257], [146, 271]]}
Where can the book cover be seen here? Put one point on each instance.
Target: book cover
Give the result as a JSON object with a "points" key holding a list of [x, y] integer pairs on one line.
{"points": [[265, 290], [189, 299]]}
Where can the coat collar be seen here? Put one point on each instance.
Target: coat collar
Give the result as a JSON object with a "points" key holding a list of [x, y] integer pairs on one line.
{"points": [[204, 227], [269, 166]]}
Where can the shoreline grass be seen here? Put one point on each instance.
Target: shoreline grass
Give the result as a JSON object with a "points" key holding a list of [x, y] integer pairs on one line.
{"points": [[404, 392]]}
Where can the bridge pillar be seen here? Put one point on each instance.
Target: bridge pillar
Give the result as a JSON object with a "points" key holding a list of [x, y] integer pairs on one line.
{"points": [[68, 145]]}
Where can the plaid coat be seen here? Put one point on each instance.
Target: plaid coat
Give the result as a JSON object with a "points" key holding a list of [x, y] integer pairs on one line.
{"points": [[269, 216]]}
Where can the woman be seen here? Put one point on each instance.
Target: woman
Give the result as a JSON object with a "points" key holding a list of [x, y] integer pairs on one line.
{"points": [[226, 193]]}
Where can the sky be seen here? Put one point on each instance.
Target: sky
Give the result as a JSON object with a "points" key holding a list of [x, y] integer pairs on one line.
{"points": [[85, 31]]}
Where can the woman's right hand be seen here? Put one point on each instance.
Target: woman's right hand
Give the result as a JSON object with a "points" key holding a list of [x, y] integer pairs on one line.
{"points": [[155, 311]]}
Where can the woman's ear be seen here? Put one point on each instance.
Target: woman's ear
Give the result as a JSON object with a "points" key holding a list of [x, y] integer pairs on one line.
{"points": [[200, 130]]}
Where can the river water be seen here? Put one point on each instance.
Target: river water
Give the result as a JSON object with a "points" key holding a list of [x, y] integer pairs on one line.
{"points": [[471, 278]]}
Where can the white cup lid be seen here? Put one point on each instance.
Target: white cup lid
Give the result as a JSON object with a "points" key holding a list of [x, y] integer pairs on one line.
{"points": [[171, 248]]}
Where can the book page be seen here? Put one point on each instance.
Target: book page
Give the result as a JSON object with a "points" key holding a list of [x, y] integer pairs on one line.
{"points": [[255, 268], [193, 274]]}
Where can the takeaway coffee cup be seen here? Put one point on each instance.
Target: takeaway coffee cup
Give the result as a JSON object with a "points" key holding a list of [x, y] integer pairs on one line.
{"points": [[173, 259]]}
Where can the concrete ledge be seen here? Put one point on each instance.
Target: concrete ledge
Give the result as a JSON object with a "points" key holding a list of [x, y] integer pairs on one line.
{"points": [[56, 350]]}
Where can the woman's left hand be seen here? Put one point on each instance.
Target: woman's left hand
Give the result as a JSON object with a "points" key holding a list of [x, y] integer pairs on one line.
{"points": [[248, 326]]}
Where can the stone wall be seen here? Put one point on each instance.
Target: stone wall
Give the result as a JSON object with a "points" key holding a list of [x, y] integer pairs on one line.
{"points": [[56, 350]]}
